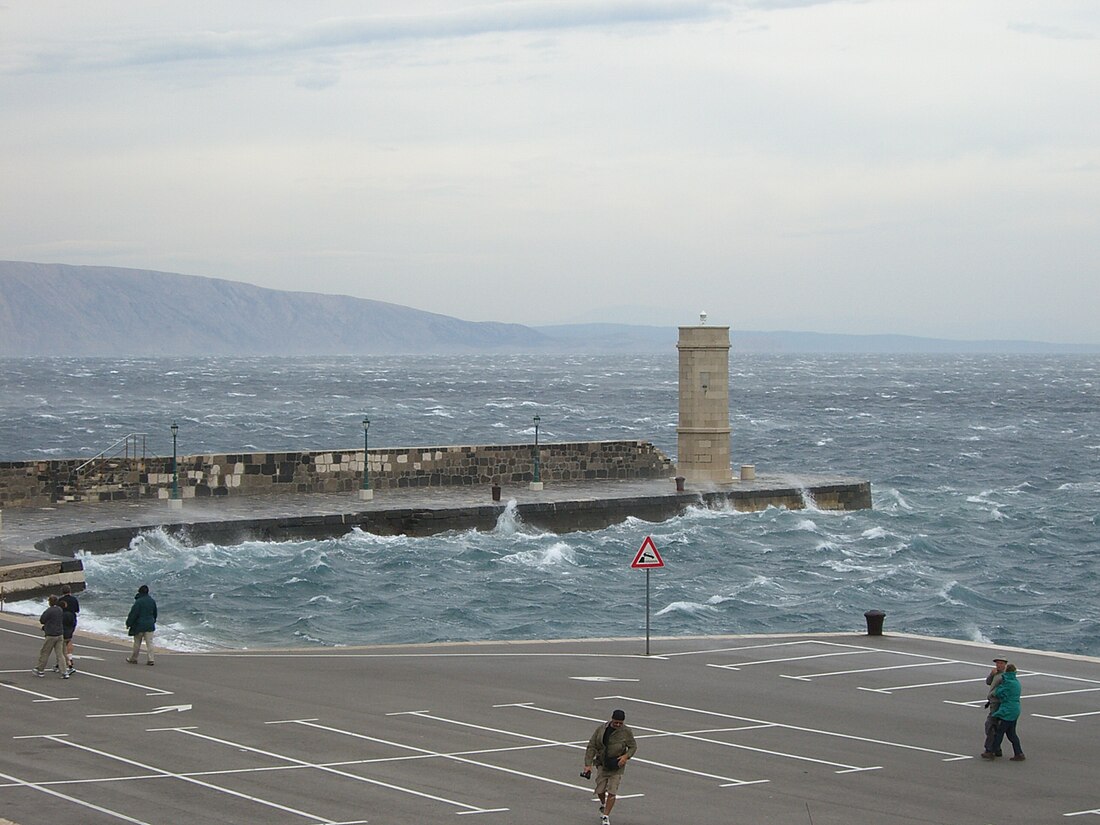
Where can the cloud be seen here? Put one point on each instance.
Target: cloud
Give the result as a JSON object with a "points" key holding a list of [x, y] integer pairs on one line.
{"points": [[353, 32], [1052, 32]]}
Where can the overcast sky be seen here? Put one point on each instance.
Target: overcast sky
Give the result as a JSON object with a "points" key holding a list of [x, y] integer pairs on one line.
{"points": [[910, 166]]}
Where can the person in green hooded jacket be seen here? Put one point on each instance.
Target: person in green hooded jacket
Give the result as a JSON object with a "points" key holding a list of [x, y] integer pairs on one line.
{"points": [[1008, 692], [141, 623]]}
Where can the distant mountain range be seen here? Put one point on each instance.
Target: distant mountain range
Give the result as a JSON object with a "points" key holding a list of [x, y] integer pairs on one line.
{"points": [[62, 310]]}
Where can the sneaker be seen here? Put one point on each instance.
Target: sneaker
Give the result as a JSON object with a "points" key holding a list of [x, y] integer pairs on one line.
{"points": [[605, 819], [132, 661], [1018, 758], [150, 663], [65, 675], [601, 809], [70, 672], [38, 672], [988, 755], [55, 669]]}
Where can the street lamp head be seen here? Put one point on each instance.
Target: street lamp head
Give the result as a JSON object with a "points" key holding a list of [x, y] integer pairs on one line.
{"points": [[366, 424], [175, 429], [537, 420]]}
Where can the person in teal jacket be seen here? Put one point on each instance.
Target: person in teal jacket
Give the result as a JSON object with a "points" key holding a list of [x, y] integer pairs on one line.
{"points": [[141, 622], [1008, 691]]}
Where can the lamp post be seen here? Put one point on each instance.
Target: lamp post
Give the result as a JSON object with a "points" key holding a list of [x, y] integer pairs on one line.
{"points": [[175, 502], [365, 492], [537, 483]]}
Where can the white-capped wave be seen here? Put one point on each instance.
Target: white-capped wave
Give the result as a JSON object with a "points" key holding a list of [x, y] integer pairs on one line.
{"points": [[555, 555], [691, 608]]}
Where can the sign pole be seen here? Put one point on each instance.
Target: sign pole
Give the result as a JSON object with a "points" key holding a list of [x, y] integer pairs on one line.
{"points": [[647, 611]]}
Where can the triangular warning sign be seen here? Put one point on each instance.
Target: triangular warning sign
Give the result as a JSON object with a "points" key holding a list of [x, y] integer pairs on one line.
{"points": [[647, 555]]}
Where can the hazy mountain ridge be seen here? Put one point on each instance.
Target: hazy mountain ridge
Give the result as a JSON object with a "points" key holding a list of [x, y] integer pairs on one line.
{"points": [[64, 310]]}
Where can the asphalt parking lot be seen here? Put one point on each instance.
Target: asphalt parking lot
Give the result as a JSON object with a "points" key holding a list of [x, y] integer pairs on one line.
{"points": [[823, 729]]}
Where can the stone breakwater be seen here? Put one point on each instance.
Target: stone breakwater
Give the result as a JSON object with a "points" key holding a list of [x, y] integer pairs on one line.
{"points": [[42, 483]]}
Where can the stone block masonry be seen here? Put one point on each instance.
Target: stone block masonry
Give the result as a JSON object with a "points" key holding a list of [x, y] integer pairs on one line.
{"points": [[42, 483]]}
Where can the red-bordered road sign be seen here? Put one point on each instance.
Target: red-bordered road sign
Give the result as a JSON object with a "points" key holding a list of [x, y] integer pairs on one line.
{"points": [[647, 556]]}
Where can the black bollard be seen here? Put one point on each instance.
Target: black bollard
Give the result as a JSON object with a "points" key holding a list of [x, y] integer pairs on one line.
{"points": [[496, 492], [874, 619]]}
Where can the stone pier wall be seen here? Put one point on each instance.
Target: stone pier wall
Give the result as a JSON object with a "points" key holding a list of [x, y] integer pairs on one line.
{"points": [[41, 483]]}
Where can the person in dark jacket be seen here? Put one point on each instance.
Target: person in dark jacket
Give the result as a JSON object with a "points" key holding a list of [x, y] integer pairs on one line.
{"points": [[1007, 713], [53, 623], [141, 624], [70, 606], [611, 745]]}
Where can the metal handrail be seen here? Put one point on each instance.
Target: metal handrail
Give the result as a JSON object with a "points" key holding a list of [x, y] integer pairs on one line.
{"points": [[125, 441]]}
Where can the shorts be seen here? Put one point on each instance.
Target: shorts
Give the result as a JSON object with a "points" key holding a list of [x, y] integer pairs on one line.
{"points": [[608, 781]]}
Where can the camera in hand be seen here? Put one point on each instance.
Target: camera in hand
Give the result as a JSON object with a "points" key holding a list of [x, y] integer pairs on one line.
{"points": [[587, 774]]}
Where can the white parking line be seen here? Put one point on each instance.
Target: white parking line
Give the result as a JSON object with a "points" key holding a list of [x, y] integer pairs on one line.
{"points": [[790, 727], [1069, 717], [44, 697], [863, 670], [693, 736], [335, 771], [24, 783], [183, 778], [740, 665], [438, 754]]}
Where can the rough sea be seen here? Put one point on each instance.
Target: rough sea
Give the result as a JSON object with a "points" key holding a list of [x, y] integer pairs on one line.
{"points": [[985, 473]]}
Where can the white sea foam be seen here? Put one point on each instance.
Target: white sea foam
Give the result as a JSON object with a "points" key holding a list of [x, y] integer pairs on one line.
{"points": [[555, 555], [691, 608]]}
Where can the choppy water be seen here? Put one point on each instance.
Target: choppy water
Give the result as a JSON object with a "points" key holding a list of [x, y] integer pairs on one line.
{"points": [[985, 471]]}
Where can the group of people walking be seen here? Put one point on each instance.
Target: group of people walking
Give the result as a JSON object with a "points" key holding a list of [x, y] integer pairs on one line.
{"points": [[58, 622]]}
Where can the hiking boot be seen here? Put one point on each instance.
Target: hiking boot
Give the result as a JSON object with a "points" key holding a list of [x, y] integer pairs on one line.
{"points": [[1018, 758]]}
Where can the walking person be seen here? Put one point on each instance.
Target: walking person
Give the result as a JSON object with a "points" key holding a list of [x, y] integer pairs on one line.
{"points": [[1007, 714], [993, 679], [70, 606], [611, 745], [52, 621], [141, 623]]}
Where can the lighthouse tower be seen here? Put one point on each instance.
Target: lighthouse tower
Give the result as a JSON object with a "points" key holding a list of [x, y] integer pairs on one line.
{"points": [[703, 433]]}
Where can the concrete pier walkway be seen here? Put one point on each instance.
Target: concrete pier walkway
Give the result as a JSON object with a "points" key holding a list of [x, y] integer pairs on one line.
{"points": [[833, 729], [49, 533]]}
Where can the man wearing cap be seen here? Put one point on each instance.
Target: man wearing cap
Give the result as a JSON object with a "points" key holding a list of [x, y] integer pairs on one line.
{"points": [[611, 745], [994, 679]]}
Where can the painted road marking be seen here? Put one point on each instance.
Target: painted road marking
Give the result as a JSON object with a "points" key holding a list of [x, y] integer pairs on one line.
{"points": [[602, 679], [728, 782], [151, 691], [189, 779], [1069, 717], [303, 763], [853, 737], [423, 753], [44, 697], [161, 709], [740, 665], [26, 784]]}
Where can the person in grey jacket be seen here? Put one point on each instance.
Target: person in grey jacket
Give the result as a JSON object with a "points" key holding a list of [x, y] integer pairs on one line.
{"points": [[53, 626], [611, 745], [141, 623]]}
